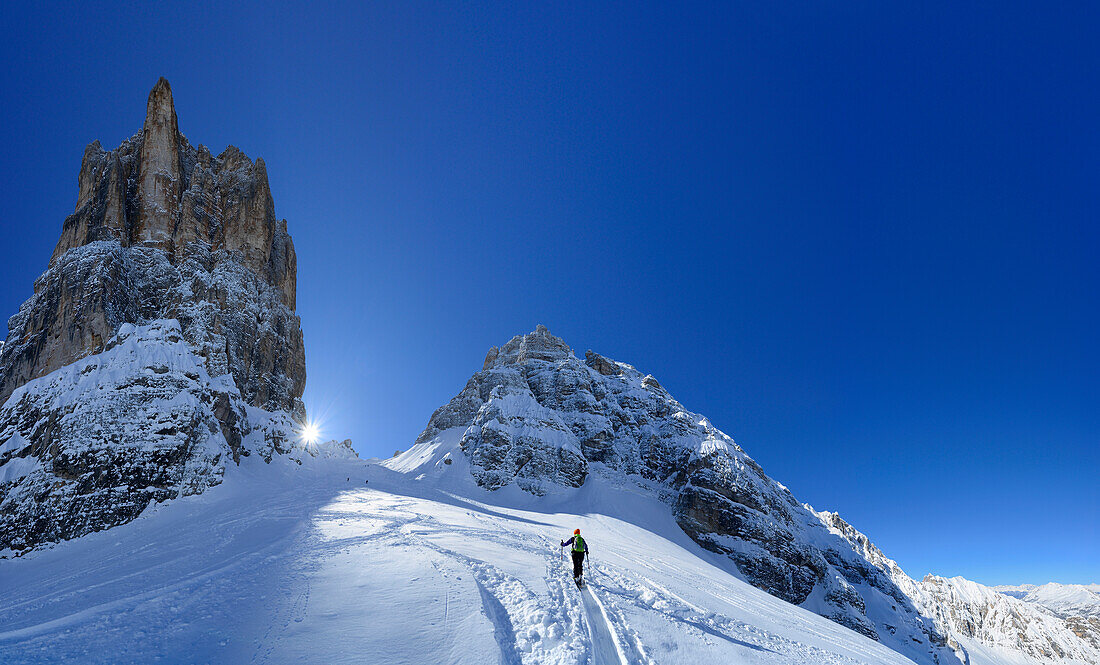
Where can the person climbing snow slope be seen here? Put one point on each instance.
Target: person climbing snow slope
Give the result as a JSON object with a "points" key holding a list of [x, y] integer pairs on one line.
{"points": [[578, 550]]}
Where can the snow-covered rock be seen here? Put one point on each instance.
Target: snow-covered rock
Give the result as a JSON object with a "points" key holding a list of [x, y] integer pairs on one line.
{"points": [[160, 342], [90, 445]]}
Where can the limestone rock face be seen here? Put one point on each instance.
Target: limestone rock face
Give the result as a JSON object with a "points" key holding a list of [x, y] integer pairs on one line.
{"points": [[193, 235], [159, 170], [171, 252]]}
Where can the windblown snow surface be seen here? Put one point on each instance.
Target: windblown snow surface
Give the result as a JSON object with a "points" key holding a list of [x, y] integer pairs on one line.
{"points": [[404, 561]]}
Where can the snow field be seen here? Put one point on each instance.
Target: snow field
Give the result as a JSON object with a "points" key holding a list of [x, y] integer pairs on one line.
{"points": [[342, 561]]}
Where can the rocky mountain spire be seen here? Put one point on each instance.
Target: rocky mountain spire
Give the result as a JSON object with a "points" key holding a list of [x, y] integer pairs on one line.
{"points": [[157, 191], [159, 173], [160, 342]]}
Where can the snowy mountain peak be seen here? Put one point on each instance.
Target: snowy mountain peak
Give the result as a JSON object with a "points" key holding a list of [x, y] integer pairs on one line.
{"points": [[539, 419], [1064, 599], [537, 345], [1076, 604], [982, 619]]}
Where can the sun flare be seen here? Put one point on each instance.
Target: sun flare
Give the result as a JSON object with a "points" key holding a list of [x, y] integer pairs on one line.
{"points": [[310, 433]]}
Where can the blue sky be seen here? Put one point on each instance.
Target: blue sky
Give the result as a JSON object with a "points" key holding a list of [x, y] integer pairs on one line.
{"points": [[862, 240]]}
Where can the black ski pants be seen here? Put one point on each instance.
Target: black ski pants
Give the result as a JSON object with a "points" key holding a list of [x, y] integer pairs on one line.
{"points": [[578, 563]]}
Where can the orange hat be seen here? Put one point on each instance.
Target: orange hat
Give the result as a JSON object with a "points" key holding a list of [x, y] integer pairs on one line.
{"points": [[576, 532]]}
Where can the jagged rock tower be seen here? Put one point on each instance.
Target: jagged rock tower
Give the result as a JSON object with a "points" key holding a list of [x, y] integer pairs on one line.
{"points": [[160, 341]]}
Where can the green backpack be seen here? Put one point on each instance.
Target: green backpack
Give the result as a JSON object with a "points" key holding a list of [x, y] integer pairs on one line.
{"points": [[578, 543]]}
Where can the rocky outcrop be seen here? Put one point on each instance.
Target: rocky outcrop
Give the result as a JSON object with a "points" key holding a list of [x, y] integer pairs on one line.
{"points": [[171, 254], [90, 445], [600, 364], [511, 436], [538, 417]]}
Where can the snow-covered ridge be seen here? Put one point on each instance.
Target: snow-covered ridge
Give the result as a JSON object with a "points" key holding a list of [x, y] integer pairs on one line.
{"points": [[1077, 604], [1063, 599], [979, 617], [982, 624]]}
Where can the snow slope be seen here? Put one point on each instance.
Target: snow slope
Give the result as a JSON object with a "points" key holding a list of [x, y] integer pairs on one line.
{"points": [[344, 561]]}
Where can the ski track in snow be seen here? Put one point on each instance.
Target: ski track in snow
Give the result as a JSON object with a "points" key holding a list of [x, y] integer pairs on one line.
{"points": [[392, 572], [604, 640], [503, 630], [606, 647]]}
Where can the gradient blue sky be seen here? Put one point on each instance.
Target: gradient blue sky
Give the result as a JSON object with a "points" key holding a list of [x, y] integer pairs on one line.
{"points": [[862, 240]]}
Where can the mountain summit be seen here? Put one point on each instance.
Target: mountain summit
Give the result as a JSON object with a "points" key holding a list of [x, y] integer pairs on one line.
{"points": [[160, 341]]}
